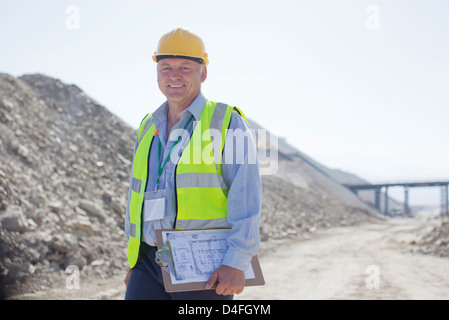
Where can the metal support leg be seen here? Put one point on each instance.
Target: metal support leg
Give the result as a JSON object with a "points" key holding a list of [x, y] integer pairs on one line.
{"points": [[406, 206], [444, 201], [386, 201], [447, 200], [377, 196]]}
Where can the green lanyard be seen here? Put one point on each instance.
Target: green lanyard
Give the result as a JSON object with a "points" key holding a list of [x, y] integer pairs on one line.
{"points": [[160, 167]]}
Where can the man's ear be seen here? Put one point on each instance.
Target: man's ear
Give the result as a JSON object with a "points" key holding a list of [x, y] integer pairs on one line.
{"points": [[203, 73]]}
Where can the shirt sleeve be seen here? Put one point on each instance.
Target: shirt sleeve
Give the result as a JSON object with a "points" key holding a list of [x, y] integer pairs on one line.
{"points": [[241, 174]]}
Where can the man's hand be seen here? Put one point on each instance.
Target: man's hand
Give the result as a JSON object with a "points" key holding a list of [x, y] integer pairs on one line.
{"points": [[230, 280], [127, 277]]}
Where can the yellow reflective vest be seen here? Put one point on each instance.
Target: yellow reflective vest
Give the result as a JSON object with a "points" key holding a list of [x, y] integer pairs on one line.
{"points": [[201, 194]]}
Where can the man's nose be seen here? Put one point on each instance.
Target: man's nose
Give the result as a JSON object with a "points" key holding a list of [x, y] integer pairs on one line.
{"points": [[175, 75]]}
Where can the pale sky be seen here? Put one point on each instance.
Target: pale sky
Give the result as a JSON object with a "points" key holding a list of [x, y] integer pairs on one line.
{"points": [[357, 85]]}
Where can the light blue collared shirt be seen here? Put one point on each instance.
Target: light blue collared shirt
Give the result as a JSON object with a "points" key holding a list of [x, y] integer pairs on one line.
{"points": [[241, 174]]}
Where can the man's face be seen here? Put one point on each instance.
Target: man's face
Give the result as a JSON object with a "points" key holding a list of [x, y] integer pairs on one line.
{"points": [[180, 79]]}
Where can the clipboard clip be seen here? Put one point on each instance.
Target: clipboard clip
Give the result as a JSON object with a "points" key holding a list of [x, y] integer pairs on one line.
{"points": [[164, 258], [162, 264]]}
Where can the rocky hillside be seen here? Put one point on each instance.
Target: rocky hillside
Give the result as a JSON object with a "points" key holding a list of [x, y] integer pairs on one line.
{"points": [[64, 172]]}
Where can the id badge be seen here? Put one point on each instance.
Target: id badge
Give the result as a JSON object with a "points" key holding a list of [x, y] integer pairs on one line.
{"points": [[154, 205]]}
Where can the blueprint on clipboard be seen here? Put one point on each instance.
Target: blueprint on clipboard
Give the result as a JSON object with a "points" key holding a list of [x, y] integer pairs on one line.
{"points": [[197, 253]]}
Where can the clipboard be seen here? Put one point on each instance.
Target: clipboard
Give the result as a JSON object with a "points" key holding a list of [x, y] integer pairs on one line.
{"points": [[258, 279]]}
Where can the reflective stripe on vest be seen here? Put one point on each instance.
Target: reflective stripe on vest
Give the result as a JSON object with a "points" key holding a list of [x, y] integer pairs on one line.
{"points": [[138, 187], [201, 193]]}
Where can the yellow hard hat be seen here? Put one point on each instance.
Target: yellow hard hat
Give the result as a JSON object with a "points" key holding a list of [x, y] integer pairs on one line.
{"points": [[181, 43]]}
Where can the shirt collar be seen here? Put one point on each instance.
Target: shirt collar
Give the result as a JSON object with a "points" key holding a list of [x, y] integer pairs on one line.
{"points": [[196, 108]]}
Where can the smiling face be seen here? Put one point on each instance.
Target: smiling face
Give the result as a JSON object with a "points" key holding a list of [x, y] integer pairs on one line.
{"points": [[180, 80]]}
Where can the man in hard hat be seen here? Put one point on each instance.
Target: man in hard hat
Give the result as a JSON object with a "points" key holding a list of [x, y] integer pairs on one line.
{"points": [[171, 188]]}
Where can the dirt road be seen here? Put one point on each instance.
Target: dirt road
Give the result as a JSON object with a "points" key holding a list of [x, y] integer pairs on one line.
{"points": [[373, 261]]}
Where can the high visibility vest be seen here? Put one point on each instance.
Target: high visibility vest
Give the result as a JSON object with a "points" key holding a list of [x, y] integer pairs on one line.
{"points": [[201, 194]]}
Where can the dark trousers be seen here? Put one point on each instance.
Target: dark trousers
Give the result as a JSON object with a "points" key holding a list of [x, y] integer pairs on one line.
{"points": [[146, 283]]}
